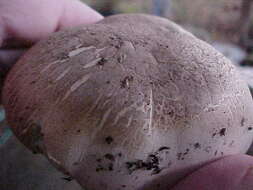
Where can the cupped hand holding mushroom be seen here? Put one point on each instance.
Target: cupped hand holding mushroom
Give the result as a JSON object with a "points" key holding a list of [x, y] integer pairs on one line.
{"points": [[133, 102]]}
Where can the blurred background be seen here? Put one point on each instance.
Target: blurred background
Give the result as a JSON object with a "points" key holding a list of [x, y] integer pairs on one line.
{"points": [[225, 24]]}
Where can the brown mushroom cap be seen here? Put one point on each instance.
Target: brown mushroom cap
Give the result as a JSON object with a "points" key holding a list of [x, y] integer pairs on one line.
{"points": [[132, 102]]}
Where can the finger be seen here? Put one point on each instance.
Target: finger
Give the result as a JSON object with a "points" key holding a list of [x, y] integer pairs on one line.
{"points": [[76, 13], [30, 20], [230, 173]]}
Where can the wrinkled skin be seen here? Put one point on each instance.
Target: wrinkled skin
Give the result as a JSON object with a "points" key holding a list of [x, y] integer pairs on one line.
{"points": [[231, 172]]}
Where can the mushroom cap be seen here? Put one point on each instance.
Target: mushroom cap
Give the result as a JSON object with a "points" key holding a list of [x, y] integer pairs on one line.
{"points": [[133, 101]]}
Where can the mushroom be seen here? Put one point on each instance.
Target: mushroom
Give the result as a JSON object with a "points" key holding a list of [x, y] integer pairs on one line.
{"points": [[131, 102]]}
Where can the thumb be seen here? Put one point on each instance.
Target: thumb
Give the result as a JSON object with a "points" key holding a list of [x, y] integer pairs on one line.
{"points": [[30, 21], [76, 13], [229, 173]]}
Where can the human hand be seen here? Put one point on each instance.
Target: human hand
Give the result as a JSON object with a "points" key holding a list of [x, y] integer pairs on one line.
{"points": [[229, 173], [24, 22]]}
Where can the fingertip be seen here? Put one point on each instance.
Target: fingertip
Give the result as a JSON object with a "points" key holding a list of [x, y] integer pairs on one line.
{"points": [[76, 13], [29, 20], [231, 172]]}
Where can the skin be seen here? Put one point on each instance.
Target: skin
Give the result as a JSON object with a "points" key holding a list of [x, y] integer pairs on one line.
{"points": [[231, 172], [35, 20]]}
